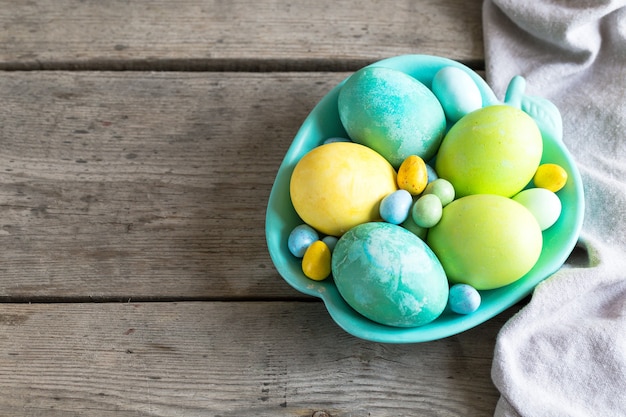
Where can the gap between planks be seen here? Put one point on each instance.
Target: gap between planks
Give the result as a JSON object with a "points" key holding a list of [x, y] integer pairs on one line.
{"points": [[205, 65], [152, 299]]}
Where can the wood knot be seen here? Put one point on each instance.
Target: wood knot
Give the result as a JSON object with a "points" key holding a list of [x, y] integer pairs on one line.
{"points": [[320, 414]]}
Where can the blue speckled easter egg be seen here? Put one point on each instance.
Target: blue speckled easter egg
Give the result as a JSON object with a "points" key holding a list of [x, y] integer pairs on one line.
{"points": [[300, 239], [395, 207], [392, 113], [389, 275], [464, 299]]}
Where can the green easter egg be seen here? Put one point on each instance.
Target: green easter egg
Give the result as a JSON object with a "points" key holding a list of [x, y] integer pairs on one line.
{"points": [[493, 150], [486, 241]]}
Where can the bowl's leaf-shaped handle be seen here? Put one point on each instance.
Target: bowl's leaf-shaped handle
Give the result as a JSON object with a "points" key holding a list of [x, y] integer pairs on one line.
{"points": [[546, 115], [543, 111]]}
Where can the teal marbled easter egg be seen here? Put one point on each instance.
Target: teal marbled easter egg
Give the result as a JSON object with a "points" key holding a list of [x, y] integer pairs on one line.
{"points": [[392, 113], [389, 275]]}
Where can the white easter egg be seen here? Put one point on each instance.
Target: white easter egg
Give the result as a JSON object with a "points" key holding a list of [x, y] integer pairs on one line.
{"points": [[544, 204], [457, 92]]}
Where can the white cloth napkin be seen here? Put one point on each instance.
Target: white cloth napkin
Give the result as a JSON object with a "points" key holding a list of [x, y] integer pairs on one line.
{"points": [[564, 354]]}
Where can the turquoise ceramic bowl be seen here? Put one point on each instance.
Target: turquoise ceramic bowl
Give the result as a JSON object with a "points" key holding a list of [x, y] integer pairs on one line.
{"points": [[322, 123]]}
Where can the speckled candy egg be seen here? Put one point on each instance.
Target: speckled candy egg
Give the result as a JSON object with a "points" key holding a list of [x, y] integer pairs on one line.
{"points": [[392, 113], [389, 275]]}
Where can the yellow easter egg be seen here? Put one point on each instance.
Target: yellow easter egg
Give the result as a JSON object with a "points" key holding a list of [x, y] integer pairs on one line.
{"points": [[412, 175], [316, 261], [552, 177], [339, 185]]}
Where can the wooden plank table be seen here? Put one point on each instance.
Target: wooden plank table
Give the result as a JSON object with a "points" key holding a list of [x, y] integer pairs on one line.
{"points": [[139, 142]]}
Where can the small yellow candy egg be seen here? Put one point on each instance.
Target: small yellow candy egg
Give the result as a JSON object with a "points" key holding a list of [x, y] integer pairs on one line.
{"points": [[551, 177], [413, 175], [316, 261]]}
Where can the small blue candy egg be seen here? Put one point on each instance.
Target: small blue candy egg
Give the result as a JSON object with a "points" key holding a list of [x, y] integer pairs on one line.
{"points": [[336, 139], [395, 207], [330, 241], [432, 174], [300, 238], [457, 92], [463, 299]]}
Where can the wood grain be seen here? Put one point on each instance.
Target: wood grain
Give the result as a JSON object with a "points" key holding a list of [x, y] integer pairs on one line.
{"points": [[229, 359], [118, 185], [133, 209], [233, 34]]}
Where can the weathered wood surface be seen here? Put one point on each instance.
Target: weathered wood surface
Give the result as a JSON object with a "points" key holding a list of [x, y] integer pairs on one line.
{"points": [[229, 359], [146, 191], [232, 34], [118, 185]]}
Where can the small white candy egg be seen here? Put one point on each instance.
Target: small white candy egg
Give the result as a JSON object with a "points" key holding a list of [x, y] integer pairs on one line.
{"points": [[544, 204]]}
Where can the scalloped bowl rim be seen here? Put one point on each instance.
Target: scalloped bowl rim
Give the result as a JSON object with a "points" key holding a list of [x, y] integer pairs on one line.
{"points": [[322, 123]]}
